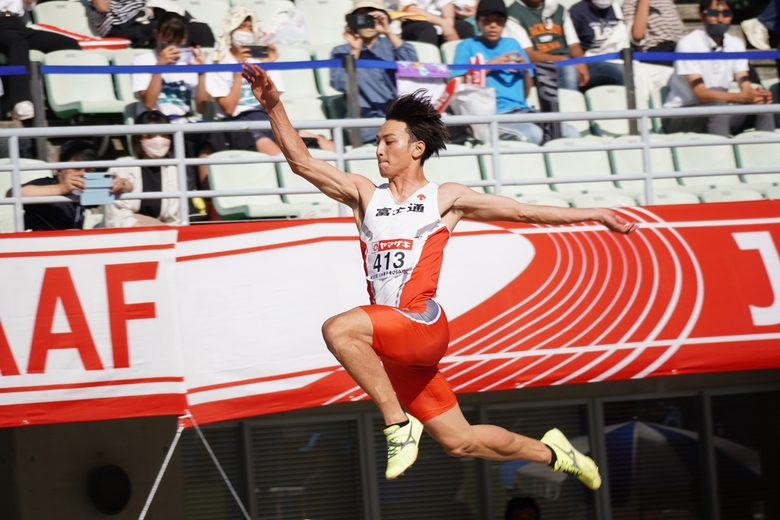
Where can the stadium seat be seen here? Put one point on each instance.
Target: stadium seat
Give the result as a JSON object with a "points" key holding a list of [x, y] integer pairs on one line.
{"points": [[607, 98], [454, 169], [448, 51], [426, 53], [73, 94], [540, 199], [299, 83], [324, 20], [71, 16], [578, 164], [627, 162], [520, 166], [36, 56], [568, 101], [656, 100], [603, 200], [7, 210], [762, 155], [321, 205], [307, 109], [248, 176], [730, 194], [322, 52], [703, 158], [210, 12], [669, 197], [123, 82], [365, 167]]}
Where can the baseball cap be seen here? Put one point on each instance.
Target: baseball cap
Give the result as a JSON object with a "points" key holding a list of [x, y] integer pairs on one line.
{"points": [[371, 4], [491, 6]]}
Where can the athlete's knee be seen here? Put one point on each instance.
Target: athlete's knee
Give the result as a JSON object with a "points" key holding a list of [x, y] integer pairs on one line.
{"points": [[332, 332]]}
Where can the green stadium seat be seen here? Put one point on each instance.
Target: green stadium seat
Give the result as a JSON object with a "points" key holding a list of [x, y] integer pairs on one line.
{"points": [[365, 167], [123, 82], [448, 51], [74, 94], [210, 12], [7, 210], [603, 200], [540, 199], [525, 166], [568, 101], [578, 164], [299, 83], [322, 52], [669, 197], [249, 176], [454, 169], [324, 20], [71, 16], [703, 158], [760, 155], [627, 162], [321, 205], [730, 194], [607, 98], [426, 53]]}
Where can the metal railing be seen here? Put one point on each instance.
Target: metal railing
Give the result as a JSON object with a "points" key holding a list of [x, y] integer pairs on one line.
{"points": [[341, 155]]}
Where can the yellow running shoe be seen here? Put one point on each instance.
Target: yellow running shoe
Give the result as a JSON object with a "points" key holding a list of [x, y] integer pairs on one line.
{"points": [[402, 446], [572, 461]]}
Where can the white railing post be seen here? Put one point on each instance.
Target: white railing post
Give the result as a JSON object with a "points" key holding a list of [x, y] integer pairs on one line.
{"points": [[16, 183], [496, 157], [646, 162], [179, 154]]}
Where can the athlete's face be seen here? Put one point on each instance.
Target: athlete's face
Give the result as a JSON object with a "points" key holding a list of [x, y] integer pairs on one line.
{"points": [[395, 151]]}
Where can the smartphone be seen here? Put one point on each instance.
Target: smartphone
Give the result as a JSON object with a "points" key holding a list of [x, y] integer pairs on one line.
{"points": [[258, 51], [97, 189], [185, 55], [360, 21]]}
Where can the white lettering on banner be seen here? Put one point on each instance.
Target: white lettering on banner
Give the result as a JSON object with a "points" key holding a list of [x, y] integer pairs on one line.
{"points": [[762, 241]]}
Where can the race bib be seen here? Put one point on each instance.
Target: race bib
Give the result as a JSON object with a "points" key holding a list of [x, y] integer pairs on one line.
{"points": [[388, 258]]}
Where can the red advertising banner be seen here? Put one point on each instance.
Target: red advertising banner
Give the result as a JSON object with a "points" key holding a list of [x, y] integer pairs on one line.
{"points": [[224, 320]]}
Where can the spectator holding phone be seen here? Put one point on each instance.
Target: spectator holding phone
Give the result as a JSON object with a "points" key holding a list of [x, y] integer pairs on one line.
{"points": [[68, 182], [145, 179], [371, 42], [173, 93], [707, 82], [240, 42]]}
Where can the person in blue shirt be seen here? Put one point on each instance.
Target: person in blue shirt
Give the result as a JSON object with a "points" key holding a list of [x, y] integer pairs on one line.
{"points": [[376, 86], [511, 86]]}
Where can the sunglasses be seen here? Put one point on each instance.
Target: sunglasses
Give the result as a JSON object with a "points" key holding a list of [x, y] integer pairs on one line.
{"points": [[713, 13]]}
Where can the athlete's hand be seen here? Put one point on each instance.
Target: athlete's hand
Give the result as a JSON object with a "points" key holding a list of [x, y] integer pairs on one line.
{"points": [[262, 86], [615, 222]]}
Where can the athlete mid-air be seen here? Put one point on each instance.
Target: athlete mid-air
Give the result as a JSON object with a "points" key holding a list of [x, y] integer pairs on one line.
{"points": [[392, 347]]}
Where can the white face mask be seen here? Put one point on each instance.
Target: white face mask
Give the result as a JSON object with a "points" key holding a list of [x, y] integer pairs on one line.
{"points": [[601, 4], [242, 38], [156, 147]]}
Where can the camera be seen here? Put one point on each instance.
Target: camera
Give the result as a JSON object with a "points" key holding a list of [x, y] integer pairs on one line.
{"points": [[258, 51], [360, 21]]}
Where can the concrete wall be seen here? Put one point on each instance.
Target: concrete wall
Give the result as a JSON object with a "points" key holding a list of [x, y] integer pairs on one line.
{"points": [[51, 464]]}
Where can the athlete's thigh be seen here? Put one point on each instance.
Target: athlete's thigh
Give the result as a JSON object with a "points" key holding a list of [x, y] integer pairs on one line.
{"points": [[353, 323]]}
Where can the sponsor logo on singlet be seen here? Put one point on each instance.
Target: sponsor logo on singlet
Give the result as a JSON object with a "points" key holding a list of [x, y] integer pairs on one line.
{"points": [[388, 258]]}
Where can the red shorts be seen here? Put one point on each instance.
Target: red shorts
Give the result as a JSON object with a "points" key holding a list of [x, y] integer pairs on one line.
{"points": [[411, 343]]}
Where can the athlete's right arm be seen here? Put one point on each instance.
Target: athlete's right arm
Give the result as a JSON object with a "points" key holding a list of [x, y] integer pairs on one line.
{"points": [[336, 184]]}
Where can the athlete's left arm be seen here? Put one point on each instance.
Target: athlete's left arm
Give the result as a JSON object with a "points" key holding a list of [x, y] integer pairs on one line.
{"points": [[457, 201]]}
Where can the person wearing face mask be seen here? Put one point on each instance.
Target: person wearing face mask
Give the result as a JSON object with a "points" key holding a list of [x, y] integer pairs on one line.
{"points": [[235, 102], [602, 30], [376, 87], [143, 179], [707, 82], [545, 31]]}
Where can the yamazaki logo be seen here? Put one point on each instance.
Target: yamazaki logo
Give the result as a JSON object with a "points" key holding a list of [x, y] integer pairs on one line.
{"points": [[58, 286], [394, 244]]}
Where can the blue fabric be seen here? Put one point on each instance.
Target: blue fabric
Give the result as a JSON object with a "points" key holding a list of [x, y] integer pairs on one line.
{"points": [[768, 16], [593, 26], [376, 86], [604, 74], [510, 90]]}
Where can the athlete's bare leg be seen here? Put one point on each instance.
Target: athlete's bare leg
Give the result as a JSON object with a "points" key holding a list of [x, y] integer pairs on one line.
{"points": [[349, 337], [461, 439]]}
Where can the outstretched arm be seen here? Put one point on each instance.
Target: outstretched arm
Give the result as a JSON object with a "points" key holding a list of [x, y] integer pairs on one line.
{"points": [[457, 201], [340, 186]]}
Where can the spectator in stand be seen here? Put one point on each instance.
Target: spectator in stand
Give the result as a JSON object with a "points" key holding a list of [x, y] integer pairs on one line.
{"points": [[145, 179], [707, 82], [655, 25], [757, 29], [376, 86], [524, 508], [16, 41], [136, 21], [545, 31], [601, 30], [511, 86], [68, 181], [173, 93], [441, 23], [240, 30]]}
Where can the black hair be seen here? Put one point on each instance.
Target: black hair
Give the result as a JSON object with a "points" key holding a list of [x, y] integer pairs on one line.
{"points": [[78, 150], [423, 122], [172, 26], [150, 117], [705, 4], [518, 504]]}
